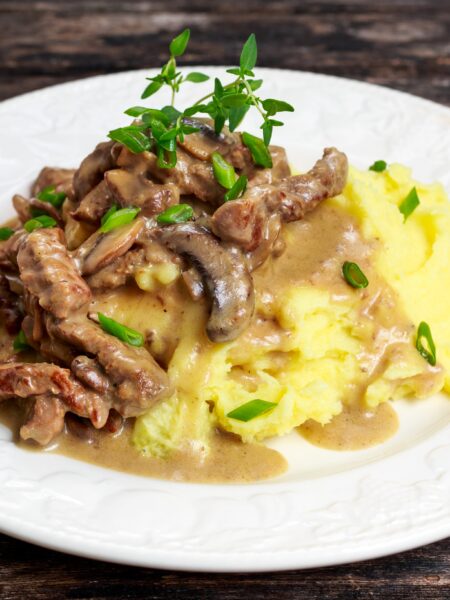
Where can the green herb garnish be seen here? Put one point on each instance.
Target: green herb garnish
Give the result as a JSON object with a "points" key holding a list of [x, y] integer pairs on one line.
{"points": [[20, 342], [237, 190], [40, 222], [48, 194], [251, 410], [124, 333], [160, 130], [409, 204], [223, 171], [259, 151], [133, 137], [5, 233], [354, 276], [118, 218], [378, 166], [111, 210], [429, 352], [179, 213]]}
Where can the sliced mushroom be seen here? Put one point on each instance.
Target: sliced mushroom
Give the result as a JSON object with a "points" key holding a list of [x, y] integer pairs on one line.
{"points": [[101, 249], [224, 273]]}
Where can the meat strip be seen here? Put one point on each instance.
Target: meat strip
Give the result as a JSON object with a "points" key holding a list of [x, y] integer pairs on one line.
{"points": [[61, 179], [11, 312], [224, 273], [243, 221], [132, 189], [56, 392], [94, 205], [24, 208], [137, 380], [91, 170], [49, 273]]}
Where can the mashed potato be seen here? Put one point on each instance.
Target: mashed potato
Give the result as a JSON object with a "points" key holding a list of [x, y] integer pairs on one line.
{"points": [[312, 348]]}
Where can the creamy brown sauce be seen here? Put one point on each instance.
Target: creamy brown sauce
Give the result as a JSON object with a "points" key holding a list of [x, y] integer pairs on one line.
{"points": [[315, 250], [355, 428]]}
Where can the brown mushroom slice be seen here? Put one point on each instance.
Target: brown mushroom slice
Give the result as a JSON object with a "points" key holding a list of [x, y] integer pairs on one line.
{"points": [[24, 207], [91, 170], [205, 141], [224, 273], [131, 189], [101, 249]]}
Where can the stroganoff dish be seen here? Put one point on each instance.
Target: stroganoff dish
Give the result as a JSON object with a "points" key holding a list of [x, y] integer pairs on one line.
{"points": [[181, 296]]}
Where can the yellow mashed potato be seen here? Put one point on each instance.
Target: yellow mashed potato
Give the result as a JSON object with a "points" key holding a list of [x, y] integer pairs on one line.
{"points": [[315, 360]]}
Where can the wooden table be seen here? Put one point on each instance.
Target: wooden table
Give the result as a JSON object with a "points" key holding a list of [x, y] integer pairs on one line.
{"points": [[400, 43]]}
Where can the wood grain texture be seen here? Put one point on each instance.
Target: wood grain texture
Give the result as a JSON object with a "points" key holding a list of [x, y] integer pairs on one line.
{"points": [[401, 43], [28, 571], [404, 44]]}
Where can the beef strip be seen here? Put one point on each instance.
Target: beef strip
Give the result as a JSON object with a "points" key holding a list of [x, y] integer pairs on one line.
{"points": [[9, 250], [61, 179], [91, 170], [49, 273], [244, 221], [94, 204], [24, 209], [133, 189], [11, 310], [55, 392], [138, 381]]}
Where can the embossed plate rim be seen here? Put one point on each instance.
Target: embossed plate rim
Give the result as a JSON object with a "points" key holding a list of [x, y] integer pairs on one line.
{"points": [[260, 527]]}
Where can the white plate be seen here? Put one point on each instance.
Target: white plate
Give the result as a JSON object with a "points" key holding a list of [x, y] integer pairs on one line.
{"points": [[330, 507]]}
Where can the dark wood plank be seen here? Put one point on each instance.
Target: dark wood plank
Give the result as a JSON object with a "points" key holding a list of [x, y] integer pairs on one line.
{"points": [[28, 571], [400, 43]]}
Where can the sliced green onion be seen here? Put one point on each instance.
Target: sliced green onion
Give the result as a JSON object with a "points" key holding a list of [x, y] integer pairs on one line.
{"points": [[132, 137], [41, 222], [223, 171], [237, 190], [424, 333], [20, 342], [48, 194], [354, 276], [409, 204], [124, 333], [251, 410], [378, 166], [111, 210], [5, 233], [179, 213], [259, 151], [166, 159], [119, 218]]}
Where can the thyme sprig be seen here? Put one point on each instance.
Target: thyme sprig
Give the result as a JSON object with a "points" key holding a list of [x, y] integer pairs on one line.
{"points": [[160, 129]]}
